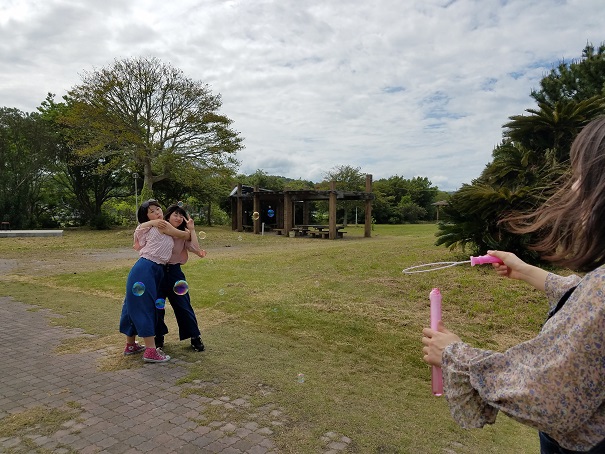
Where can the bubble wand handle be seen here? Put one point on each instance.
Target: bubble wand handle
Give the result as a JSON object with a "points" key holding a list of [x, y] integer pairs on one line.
{"points": [[436, 373], [482, 259]]}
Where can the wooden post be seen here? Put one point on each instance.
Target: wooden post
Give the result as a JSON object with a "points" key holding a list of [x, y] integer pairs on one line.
{"points": [[368, 208], [240, 214], [288, 211], [306, 212], [233, 213], [256, 208], [332, 211]]}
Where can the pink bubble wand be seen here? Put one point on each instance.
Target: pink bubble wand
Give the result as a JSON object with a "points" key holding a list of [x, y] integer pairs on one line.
{"points": [[480, 260], [436, 373]]}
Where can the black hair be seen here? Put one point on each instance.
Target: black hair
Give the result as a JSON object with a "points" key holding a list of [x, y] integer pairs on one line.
{"points": [[176, 208], [142, 211]]}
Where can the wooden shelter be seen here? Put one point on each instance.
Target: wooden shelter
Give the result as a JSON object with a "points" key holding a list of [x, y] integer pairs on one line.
{"points": [[278, 208], [440, 203]]}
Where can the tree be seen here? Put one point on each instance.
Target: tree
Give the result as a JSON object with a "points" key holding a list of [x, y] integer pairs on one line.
{"points": [[550, 129], [401, 200], [579, 80], [26, 151], [147, 116], [528, 165], [346, 178]]}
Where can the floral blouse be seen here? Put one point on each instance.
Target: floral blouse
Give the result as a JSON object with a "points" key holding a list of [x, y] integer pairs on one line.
{"points": [[554, 382]]}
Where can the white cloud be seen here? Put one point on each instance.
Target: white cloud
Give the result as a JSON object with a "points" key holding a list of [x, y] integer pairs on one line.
{"points": [[414, 88]]}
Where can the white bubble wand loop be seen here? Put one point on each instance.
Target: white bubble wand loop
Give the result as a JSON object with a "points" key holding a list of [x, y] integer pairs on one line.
{"points": [[425, 268]]}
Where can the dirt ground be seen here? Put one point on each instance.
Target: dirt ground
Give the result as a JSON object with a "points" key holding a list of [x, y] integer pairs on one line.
{"points": [[68, 262]]}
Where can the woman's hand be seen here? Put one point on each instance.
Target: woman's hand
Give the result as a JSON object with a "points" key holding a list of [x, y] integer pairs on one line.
{"points": [[190, 225], [512, 267], [515, 268], [161, 224], [435, 342]]}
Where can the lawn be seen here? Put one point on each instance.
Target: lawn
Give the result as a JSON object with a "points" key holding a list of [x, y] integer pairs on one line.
{"points": [[272, 307]]}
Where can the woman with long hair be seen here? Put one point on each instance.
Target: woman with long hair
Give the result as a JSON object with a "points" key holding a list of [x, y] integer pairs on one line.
{"points": [[554, 382]]}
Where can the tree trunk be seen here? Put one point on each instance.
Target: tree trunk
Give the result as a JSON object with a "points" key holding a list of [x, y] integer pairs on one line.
{"points": [[209, 221]]}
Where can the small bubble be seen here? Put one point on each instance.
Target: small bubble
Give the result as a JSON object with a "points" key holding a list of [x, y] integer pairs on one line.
{"points": [[138, 288], [201, 235], [180, 287], [180, 203], [160, 303], [300, 378], [239, 238], [316, 283], [221, 292], [255, 216]]}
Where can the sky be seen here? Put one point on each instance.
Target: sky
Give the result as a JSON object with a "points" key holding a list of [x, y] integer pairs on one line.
{"points": [[413, 88]]}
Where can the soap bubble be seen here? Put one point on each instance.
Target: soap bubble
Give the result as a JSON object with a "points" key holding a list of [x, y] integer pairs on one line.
{"points": [[160, 303], [201, 235], [180, 287], [239, 238], [180, 204], [221, 292], [300, 378], [255, 216], [138, 288], [270, 213]]}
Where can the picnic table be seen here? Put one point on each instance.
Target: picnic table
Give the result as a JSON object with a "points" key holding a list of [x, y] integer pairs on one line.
{"points": [[319, 230]]}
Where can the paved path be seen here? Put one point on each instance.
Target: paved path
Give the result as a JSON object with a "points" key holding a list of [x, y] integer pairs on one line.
{"points": [[128, 411]]}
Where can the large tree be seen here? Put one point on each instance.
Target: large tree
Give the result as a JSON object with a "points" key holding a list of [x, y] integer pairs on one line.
{"points": [[148, 116], [86, 183], [26, 151]]}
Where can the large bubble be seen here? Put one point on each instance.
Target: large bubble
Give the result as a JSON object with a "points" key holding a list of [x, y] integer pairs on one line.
{"points": [[180, 287], [255, 216], [138, 288], [160, 303]]}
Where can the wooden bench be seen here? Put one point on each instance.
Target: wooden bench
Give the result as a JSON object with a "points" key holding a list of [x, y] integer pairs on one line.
{"points": [[326, 234], [302, 231], [280, 231]]}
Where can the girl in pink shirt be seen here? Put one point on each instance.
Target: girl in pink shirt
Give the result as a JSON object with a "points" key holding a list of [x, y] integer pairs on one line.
{"points": [[153, 238]]}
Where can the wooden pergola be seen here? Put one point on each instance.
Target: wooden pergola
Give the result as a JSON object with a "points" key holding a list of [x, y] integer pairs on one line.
{"points": [[246, 200]]}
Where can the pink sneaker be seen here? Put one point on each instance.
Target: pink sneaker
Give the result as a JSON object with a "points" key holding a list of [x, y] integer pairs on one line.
{"points": [[155, 355], [131, 349]]}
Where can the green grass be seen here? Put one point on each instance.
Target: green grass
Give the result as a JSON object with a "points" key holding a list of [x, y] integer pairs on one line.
{"points": [[341, 312]]}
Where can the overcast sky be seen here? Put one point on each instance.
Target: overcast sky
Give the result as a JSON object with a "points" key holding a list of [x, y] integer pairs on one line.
{"points": [[394, 87]]}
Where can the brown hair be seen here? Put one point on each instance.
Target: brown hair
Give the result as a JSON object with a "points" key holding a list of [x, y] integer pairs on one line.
{"points": [[572, 221]]}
